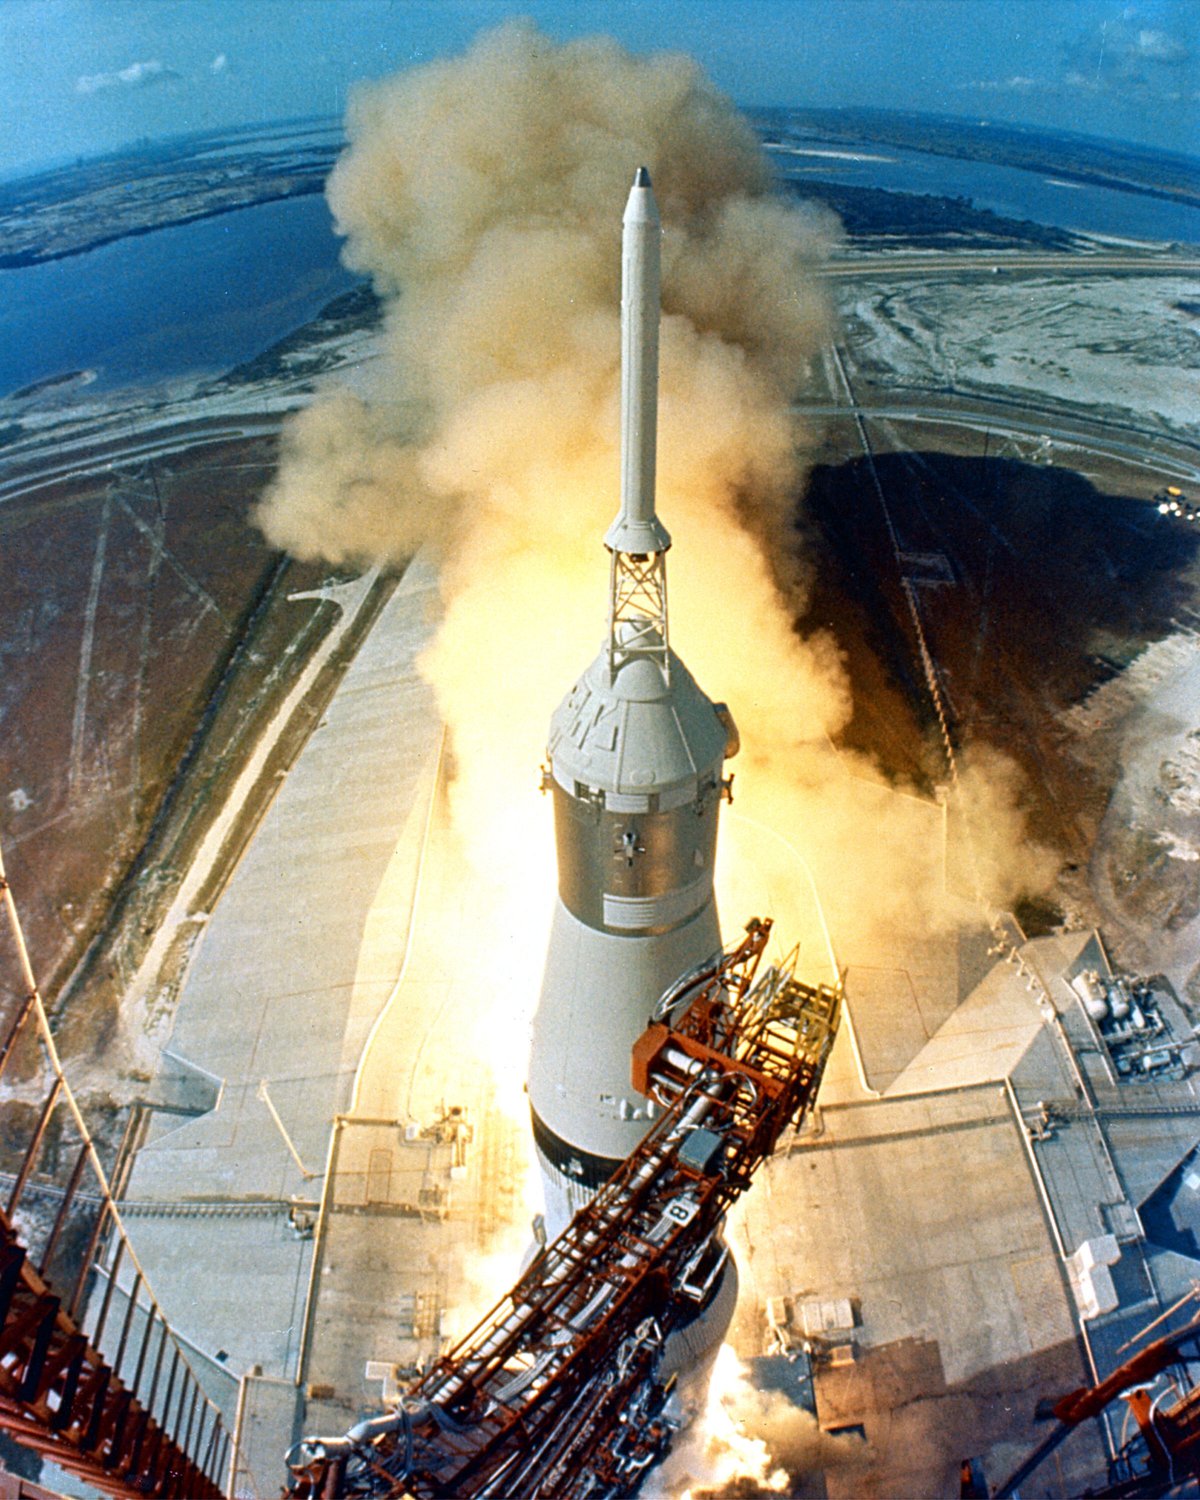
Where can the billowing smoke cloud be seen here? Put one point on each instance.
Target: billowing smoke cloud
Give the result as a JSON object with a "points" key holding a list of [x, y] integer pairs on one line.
{"points": [[749, 1444], [484, 195]]}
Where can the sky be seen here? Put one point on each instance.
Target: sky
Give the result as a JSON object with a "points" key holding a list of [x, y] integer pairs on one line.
{"points": [[82, 76]]}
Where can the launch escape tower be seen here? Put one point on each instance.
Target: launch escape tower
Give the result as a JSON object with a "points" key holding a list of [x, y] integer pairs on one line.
{"points": [[635, 758]]}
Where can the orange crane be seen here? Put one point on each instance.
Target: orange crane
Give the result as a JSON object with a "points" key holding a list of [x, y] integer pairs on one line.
{"points": [[1164, 1457], [561, 1390]]}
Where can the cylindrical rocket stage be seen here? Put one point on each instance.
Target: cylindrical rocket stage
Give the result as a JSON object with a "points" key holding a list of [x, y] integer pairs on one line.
{"points": [[636, 756]]}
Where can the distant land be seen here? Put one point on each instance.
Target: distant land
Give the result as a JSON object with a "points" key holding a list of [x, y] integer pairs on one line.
{"points": [[1074, 158], [61, 382], [72, 209], [155, 185], [929, 221]]}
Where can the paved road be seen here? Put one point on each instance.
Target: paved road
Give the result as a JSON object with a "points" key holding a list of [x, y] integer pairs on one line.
{"points": [[1005, 263], [1168, 457], [94, 452]]}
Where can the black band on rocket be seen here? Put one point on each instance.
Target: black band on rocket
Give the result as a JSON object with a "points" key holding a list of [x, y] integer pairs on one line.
{"points": [[572, 1161]]}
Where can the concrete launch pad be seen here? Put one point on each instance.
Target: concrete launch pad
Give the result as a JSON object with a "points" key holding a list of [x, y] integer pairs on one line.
{"points": [[295, 964], [351, 1170], [923, 1214], [960, 1213], [424, 1170]]}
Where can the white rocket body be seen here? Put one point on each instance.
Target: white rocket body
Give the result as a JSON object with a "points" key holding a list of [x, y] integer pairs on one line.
{"points": [[636, 753]]}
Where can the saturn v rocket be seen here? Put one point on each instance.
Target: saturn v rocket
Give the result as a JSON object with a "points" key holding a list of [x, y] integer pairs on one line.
{"points": [[636, 755]]}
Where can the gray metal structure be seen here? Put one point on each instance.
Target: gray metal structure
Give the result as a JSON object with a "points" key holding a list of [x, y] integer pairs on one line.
{"points": [[635, 760]]}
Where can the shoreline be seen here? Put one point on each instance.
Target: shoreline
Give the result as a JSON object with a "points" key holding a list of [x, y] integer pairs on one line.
{"points": [[23, 260]]}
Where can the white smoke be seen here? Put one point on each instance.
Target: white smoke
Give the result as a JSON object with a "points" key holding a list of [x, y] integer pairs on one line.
{"points": [[748, 1443]]}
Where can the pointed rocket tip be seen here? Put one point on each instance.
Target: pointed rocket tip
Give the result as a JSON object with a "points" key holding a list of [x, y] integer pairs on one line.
{"points": [[641, 178]]}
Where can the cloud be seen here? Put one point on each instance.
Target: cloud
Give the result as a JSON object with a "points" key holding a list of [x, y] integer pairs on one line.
{"points": [[1157, 46], [136, 75], [1121, 57], [1019, 83], [1116, 58], [219, 64]]}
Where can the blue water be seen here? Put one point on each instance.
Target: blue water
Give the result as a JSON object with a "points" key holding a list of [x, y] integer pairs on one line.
{"points": [[203, 297], [198, 298], [1010, 191]]}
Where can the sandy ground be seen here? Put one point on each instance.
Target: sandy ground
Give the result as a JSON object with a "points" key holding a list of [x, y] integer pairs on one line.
{"points": [[138, 663], [1124, 347], [1145, 866]]}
